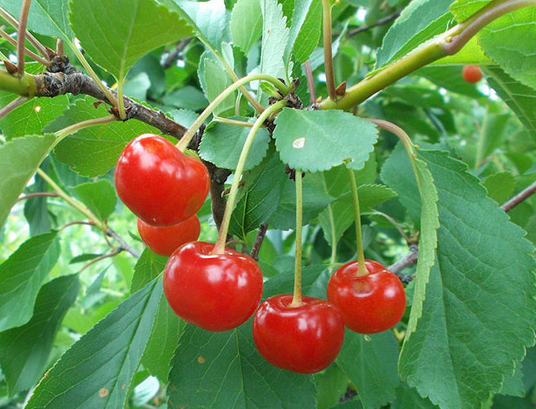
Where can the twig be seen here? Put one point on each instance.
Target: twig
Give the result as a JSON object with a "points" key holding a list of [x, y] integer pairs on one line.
{"points": [[310, 81], [29, 53], [36, 194], [380, 22], [520, 197], [407, 261], [124, 245], [33, 41], [12, 106], [261, 233], [174, 54], [113, 253]]}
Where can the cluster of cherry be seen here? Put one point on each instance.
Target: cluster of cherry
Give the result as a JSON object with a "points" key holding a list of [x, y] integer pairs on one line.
{"points": [[219, 290]]}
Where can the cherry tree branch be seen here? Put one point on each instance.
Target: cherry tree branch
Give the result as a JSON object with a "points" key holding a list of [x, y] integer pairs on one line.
{"points": [[520, 197], [380, 22], [261, 233]]}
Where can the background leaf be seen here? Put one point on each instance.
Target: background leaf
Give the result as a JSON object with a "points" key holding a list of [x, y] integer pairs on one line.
{"points": [[245, 35], [274, 39], [117, 43], [99, 197], [19, 159], [96, 372], [21, 276], [24, 351]]}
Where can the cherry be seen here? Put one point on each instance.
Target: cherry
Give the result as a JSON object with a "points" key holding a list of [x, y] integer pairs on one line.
{"points": [[370, 303], [159, 183], [303, 339], [471, 73], [164, 240], [216, 292]]}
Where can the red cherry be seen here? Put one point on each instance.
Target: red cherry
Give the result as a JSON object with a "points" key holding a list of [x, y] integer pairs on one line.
{"points": [[159, 183], [368, 304], [304, 339], [214, 292], [471, 73], [165, 240]]}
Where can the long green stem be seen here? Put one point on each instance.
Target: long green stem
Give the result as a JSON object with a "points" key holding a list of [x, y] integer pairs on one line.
{"points": [[84, 124], [75, 203], [219, 248], [187, 137], [120, 101], [448, 43], [361, 266], [93, 74], [23, 21], [24, 86], [297, 296], [328, 56]]}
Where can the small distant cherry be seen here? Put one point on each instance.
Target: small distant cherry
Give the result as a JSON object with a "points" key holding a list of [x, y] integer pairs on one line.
{"points": [[216, 292], [472, 73], [303, 339], [164, 240], [369, 303]]}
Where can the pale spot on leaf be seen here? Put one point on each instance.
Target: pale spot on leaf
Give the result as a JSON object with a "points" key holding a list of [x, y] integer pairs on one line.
{"points": [[37, 108], [298, 143], [103, 392], [201, 360]]}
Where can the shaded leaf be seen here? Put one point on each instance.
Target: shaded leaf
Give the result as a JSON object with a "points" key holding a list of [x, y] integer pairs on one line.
{"points": [[99, 197]]}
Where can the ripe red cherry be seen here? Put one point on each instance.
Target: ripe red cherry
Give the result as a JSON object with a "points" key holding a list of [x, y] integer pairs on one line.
{"points": [[159, 183], [368, 304], [304, 339], [471, 73], [164, 240], [214, 292]]}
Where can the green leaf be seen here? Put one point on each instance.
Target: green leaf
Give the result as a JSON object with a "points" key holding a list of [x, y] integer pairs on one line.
{"points": [[463, 9], [94, 151], [418, 22], [274, 39], [476, 310], [97, 370], [450, 78], [245, 35], [407, 397], [19, 159], [214, 80], [520, 98], [500, 186], [260, 196], [21, 276], [307, 140], [331, 384], [99, 197], [232, 375], [507, 41], [305, 29], [148, 267], [314, 281], [222, 145], [47, 17], [370, 362], [162, 342], [117, 43], [33, 116], [35, 209], [24, 351]]}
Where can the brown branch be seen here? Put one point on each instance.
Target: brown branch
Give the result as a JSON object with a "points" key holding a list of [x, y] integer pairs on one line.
{"points": [[23, 21], [36, 194], [261, 233], [174, 54], [310, 81], [12, 106], [520, 197], [52, 84], [123, 244], [380, 22]]}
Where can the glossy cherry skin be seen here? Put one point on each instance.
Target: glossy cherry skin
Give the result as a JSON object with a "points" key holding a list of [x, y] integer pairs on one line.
{"points": [[471, 73], [368, 304], [164, 240], [214, 292], [159, 183], [304, 339]]}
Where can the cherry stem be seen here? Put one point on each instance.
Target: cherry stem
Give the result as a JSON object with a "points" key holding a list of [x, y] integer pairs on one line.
{"points": [[120, 100], [187, 137], [328, 56], [361, 266], [219, 248], [297, 297], [12, 106], [111, 97], [30, 54], [62, 133], [23, 21]]}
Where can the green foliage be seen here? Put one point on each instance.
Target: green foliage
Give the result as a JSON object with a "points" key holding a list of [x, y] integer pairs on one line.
{"points": [[87, 324]]}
